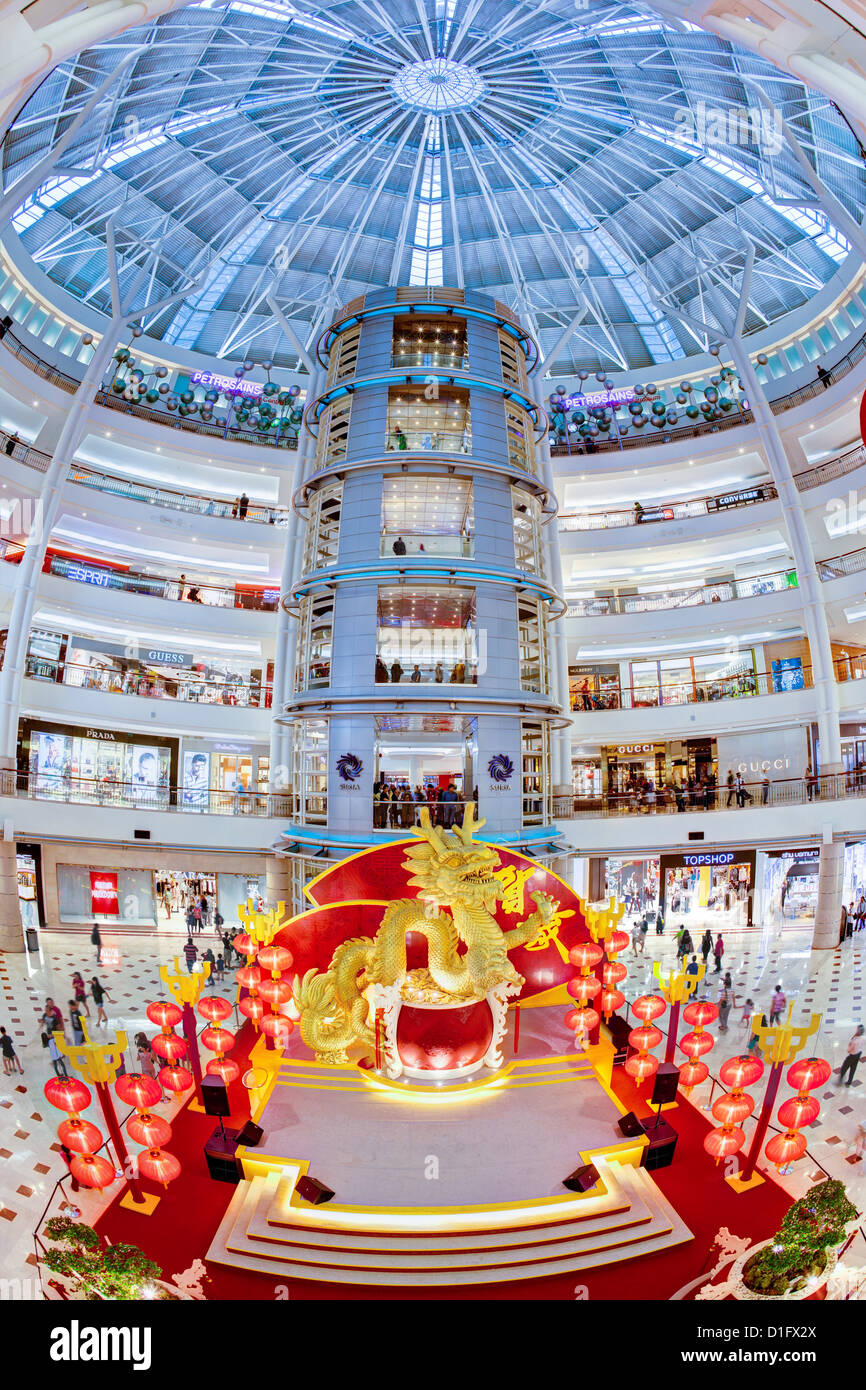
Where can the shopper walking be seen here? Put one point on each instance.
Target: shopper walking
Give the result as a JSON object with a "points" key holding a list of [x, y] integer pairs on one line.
{"points": [[96, 940], [75, 1023], [11, 1060], [99, 992], [718, 952], [852, 1061], [55, 1054], [706, 944], [190, 954], [777, 1004], [754, 1041], [724, 1010], [731, 783], [79, 989], [693, 968]]}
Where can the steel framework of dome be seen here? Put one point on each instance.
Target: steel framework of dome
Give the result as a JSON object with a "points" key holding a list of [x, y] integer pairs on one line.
{"points": [[573, 160]]}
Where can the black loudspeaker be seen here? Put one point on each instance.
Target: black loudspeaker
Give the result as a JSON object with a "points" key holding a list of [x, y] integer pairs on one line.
{"points": [[220, 1154], [582, 1179], [666, 1083], [313, 1191], [215, 1096], [630, 1125], [250, 1135], [662, 1144]]}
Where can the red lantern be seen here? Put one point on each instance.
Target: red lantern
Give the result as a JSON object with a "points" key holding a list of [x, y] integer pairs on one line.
{"points": [[741, 1071], [67, 1093], [80, 1136], [721, 1143], [582, 1020], [252, 1007], [616, 942], [692, 1074], [700, 1013], [277, 1026], [174, 1077], [224, 1067], [280, 991], [799, 1111], [218, 1040], [169, 1046], [696, 1044], [249, 976], [614, 972], [582, 987], [275, 958], [159, 1166], [646, 1037], [642, 1066], [785, 1148], [732, 1110], [648, 1007], [214, 1008], [136, 1089], [611, 1000], [149, 1130], [808, 1073], [244, 944], [164, 1014], [92, 1170], [585, 955]]}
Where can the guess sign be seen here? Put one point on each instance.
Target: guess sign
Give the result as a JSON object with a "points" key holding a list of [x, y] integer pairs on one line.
{"points": [[103, 894]]}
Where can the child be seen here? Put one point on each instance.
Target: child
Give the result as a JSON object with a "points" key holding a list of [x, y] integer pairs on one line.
{"points": [[11, 1060], [220, 966], [79, 989], [746, 1015]]}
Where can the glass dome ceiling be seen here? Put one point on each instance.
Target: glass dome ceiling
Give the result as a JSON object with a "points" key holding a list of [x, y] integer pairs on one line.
{"points": [[568, 159]]}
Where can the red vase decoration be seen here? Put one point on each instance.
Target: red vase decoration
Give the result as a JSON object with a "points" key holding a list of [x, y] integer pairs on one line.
{"points": [[799, 1110], [643, 1064], [613, 974], [733, 1108], [583, 988]]}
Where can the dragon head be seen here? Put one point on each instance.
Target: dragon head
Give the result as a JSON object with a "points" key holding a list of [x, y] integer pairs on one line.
{"points": [[449, 866]]}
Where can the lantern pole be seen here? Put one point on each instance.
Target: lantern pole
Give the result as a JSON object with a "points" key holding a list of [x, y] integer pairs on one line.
{"points": [[779, 1044], [98, 1064], [601, 923], [186, 989], [676, 990]]}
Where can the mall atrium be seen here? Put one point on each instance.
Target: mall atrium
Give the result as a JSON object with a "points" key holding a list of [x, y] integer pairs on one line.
{"points": [[434, 619]]}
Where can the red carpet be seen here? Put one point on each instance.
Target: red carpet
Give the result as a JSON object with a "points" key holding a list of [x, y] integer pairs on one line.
{"points": [[183, 1224]]}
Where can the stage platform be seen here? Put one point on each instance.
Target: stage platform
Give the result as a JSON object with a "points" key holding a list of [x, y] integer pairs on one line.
{"points": [[442, 1185]]}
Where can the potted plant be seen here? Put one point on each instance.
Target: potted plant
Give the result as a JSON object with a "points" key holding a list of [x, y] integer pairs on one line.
{"points": [[794, 1263], [101, 1271]]}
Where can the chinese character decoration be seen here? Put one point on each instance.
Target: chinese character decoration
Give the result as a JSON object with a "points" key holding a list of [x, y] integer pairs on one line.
{"points": [[734, 1107], [643, 1064], [799, 1110], [513, 881]]}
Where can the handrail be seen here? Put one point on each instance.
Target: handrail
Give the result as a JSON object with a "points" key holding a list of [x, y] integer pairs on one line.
{"points": [[191, 590], [739, 685], [94, 791], [191, 687], [637, 515], [837, 566], [791, 791], [688, 596]]}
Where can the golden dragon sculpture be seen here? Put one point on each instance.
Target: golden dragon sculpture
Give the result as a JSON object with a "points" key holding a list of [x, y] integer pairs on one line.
{"points": [[457, 896]]}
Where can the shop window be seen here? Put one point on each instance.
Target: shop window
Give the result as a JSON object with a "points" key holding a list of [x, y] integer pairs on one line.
{"points": [[420, 758], [427, 514], [426, 634], [333, 432], [792, 356], [645, 684], [532, 644], [537, 804], [513, 361], [825, 338], [437, 342], [840, 324], [310, 771], [322, 538], [521, 445], [434, 417], [68, 342], [36, 321], [344, 355], [52, 332], [810, 347], [852, 309], [67, 767], [594, 687], [528, 543], [314, 642], [10, 293]]}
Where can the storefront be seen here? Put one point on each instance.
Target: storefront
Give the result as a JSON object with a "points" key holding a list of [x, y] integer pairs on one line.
{"points": [[106, 766], [634, 882], [594, 687], [219, 768], [626, 766], [682, 680], [120, 896], [586, 778], [854, 748], [708, 888], [788, 884]]}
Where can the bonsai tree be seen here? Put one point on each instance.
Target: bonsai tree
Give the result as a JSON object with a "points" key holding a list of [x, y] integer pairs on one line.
{"points": [[105, 1271], [798, 1251]]}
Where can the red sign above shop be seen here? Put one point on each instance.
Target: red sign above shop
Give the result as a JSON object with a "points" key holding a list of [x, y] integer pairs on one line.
{"points": [[103, 894]]}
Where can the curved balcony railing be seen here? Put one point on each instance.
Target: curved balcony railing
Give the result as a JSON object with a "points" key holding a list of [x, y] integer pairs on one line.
{"points": [[697, 692], [426, 543], [93, 791], [837, 566], [175, 588], [691, 596], [831, 469], [183, 685], [671, 799]]}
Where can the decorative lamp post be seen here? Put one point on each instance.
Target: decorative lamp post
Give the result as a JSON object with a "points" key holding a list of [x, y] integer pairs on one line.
{"points": [[583, 988], [799, 1110], [643, 1065], [98, 1063], [676, 989], [186, 989], [779, 1043]]}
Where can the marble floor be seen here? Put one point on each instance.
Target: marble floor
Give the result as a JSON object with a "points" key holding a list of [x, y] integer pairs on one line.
{"points": [[30, 1163]]}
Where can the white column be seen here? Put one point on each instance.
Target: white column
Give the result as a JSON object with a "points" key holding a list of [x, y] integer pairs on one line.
{"points": [[561, 739], [812, 598], [828, 914], [27, 576]]}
